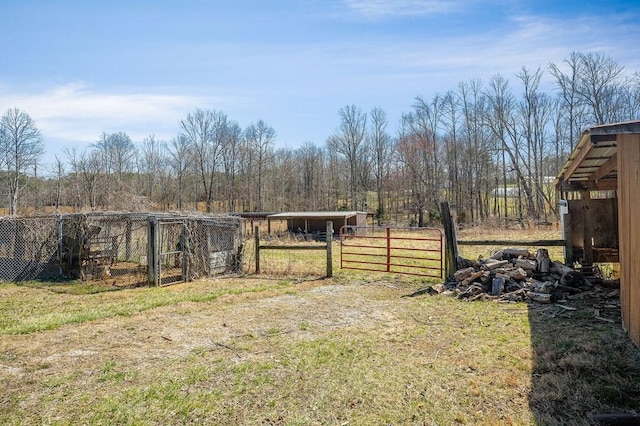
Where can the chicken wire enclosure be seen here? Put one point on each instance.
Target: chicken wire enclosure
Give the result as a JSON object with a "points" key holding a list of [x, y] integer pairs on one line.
{"points": [[28, 248], [103, 246], [164, 248], [120, 247], [213, 246]]}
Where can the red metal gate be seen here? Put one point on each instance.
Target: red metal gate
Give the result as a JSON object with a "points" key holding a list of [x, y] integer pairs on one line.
{"points": [[410, 251]]}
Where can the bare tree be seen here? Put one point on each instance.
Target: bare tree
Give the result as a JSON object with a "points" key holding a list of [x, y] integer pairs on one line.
{"points": [[535, 113], [58, 169], [338, 177], [230, 162], [423, 126], [413, 152], [206, 132], [310, 163], [282, 189], [117, 154], [451, 121], [571, 100], [499, 118], [260, 138], [22, 147], [348, 140], [599, 86], [180, 160], [86, 168], [150, 160], [476, 159], [380, 142]]}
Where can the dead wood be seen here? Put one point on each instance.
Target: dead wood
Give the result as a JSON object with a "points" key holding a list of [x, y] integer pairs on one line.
{"points": [[540, 297], [543, 262], [508, 276], [560, 268], [492, 264], [517, 274], [497, 286], [526, 264], [461, 274]]}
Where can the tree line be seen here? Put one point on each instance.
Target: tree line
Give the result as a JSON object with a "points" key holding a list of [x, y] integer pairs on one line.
{"points": [[491, 148]]}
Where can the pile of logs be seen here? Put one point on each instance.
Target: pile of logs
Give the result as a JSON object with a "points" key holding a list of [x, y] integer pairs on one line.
{"points": [[516, 275]]}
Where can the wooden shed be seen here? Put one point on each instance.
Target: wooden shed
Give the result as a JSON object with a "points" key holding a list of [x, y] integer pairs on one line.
{"points": [[607, 158], [315, 222]]}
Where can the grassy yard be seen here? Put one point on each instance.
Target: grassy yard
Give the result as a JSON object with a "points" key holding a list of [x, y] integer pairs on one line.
{"points": [[351, 350]]}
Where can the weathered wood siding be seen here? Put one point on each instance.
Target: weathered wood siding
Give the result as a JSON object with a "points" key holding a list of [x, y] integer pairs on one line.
{"points": [[629, 225]]}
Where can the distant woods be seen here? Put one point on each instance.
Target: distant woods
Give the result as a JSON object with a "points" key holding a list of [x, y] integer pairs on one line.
{"points": [[491, 148]]}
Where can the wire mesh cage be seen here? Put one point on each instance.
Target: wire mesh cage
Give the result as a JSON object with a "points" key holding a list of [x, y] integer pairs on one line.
{"points": [[28, 248], [102, 245], [118, 246]]}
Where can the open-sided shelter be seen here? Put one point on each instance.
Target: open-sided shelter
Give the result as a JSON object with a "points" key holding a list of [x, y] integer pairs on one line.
{"points": [[607, 158], [316, 222]]}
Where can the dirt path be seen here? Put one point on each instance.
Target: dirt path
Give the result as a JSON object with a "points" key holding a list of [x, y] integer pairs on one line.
{"points": [[148, 339]]}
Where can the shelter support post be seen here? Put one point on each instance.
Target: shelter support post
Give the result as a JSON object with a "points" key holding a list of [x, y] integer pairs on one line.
{"points": [[329, 249], [588, 227]]}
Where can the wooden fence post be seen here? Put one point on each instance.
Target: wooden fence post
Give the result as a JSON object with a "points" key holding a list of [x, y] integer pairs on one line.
{"points": [[451, 242], [329, 249], [256, 233]]}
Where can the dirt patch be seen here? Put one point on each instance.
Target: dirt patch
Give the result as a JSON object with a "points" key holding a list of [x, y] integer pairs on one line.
{"points": [[176, 331]]}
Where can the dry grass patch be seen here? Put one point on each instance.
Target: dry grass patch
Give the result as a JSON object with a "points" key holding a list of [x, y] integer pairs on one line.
{"points": [[351, 350]]}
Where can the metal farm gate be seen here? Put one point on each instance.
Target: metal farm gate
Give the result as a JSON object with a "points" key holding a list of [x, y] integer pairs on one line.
{"points": [[410, 251]]}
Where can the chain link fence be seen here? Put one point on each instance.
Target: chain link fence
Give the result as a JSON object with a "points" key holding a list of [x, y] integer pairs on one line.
{"points": [[118, 247]]}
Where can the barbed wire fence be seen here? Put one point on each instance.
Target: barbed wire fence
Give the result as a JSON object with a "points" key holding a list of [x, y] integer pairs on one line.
{"points": [[118, 247]]}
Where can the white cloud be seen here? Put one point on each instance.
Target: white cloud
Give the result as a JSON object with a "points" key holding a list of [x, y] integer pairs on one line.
{"points": [[530, 41], [76, 113]]}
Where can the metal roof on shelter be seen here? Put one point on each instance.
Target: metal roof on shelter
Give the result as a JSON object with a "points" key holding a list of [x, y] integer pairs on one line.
{"points": [[252, 215], [593, 163], [315, 215]]}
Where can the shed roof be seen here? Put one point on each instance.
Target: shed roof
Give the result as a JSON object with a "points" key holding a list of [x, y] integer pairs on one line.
{"points": [[593, 163], [252, 215], [315, 215]]}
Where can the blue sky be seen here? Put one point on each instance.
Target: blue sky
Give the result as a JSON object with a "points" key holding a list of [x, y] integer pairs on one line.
{"points": [[80, 68]]}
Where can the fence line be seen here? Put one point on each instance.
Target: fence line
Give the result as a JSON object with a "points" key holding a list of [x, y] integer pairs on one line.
{"points": [[328, 248]]}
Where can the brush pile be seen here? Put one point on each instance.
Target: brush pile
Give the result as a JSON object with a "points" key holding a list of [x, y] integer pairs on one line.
{"points": [[516, 275]]}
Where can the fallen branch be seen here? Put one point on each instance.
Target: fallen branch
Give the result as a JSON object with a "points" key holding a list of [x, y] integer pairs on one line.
{"points": [[566, 308]]}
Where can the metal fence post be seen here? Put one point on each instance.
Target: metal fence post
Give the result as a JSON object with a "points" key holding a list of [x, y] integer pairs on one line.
{"points": [[185, 252], [152, 251], [388, 249], [256, 234], [60, 248], [329, 249]]}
